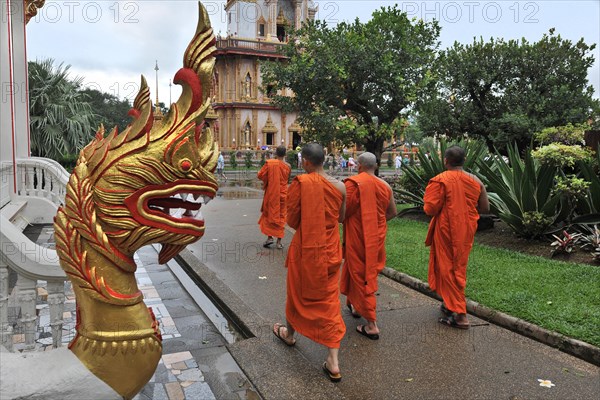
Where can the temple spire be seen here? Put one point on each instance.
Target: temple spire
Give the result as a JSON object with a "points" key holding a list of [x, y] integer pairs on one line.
{"points": [[157, 112]]}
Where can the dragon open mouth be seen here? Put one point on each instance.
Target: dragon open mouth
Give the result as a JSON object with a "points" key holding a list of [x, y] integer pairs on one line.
{"points": [[174, 207]]}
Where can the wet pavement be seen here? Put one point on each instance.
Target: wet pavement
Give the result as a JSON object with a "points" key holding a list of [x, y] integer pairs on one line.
{"points": [[416, 357]]}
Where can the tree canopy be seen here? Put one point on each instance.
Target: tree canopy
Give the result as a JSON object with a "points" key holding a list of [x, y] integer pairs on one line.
{"points": [[356, 82], [108, 109], [504, 91]]}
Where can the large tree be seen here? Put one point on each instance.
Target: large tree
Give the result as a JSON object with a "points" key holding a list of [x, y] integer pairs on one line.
{"points": [[108, 109], [504, 91], [355, 82], [60, 117]]}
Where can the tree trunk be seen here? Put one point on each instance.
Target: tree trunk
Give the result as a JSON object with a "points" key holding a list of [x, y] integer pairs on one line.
{"points": [[375, 146]]}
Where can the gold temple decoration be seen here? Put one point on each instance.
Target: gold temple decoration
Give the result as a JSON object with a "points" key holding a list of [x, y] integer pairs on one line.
{"points": [[120, 197], [31, 8], [269, 125]]}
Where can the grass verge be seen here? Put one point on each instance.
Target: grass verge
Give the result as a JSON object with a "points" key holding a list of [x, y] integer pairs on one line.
{"points": [[559, 296]]}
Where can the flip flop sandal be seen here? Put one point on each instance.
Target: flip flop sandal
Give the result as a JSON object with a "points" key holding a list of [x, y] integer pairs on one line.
{"points": [[332, 377], [277, 334], [354, 314], [361, 329], [451, 322], [268, 243], [445, 310], [279, 246]]}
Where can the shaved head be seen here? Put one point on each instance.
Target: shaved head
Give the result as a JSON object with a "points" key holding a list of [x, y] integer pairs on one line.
{"points": [[368, 161], [280, 151], [455, 156], [313, 153]]}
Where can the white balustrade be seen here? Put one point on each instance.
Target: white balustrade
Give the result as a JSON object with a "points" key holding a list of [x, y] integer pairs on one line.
{"points": [[35, 178]]}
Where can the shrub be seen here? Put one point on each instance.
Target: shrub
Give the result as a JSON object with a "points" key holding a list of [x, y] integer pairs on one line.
{"points": [[292, 158], [535, 223], [565, 243], [568, 135], [248, 159], [561, 155], [233, 159], [263, 159]]}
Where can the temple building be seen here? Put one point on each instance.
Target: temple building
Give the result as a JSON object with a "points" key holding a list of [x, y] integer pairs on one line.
{"points": [[256, 30]]}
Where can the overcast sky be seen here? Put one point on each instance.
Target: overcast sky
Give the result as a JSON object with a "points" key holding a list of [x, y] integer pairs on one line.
{"points": [[111, 43]]}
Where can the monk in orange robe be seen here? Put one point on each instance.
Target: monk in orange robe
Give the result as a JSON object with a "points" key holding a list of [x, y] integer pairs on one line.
{"points": [[454, 200], [369, 205], [316, 205], [274, 175]]}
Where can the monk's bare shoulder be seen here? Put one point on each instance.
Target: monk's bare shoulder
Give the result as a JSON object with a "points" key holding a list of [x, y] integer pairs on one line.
{"points": [[475, 178], [339, 185], [384, 182]]}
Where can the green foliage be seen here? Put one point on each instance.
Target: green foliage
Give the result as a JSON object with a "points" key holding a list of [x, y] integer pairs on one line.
{"points": [[68, 161], [561, 155], [292, 158], [416, 178], [108, 109], [248, 159], [535, 223], [514, 283], [390, 160], [571, 186], [590, 207], [519, 187], [60, 116], [233, 159], [504, 91], [569, 134], [263, 159], [352, 83]]}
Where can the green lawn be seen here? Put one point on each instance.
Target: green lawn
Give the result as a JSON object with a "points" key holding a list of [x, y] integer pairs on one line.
{"points": [[559, 296]]}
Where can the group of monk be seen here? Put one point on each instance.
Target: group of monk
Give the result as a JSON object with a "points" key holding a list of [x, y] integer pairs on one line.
{"points": [[316, 203]]}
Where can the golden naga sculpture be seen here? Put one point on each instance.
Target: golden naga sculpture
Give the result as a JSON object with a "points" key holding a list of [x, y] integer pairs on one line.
{"points": [[122, 196]]}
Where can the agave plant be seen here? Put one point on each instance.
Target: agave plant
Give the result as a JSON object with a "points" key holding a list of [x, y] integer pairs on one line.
{"points": [[521, 191], [589, 210], [432, 164]]}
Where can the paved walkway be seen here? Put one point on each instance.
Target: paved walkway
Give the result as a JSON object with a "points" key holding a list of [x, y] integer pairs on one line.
{"points": [[416, 357]]}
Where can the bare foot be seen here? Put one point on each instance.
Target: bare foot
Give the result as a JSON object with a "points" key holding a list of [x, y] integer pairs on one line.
{"points": [[281, 332]]}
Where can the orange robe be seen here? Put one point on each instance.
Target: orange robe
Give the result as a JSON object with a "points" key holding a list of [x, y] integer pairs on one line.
{"points": [[275, 175], [313, 260], [451, 198], [365, 227]]}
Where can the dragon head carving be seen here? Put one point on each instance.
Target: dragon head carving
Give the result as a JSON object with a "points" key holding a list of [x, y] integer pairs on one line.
{"points": [[144, 185], [149, 182]]}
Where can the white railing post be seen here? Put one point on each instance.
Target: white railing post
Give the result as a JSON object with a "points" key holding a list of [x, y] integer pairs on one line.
{"points": [[26, 295], [56, 303], [5, 328]]}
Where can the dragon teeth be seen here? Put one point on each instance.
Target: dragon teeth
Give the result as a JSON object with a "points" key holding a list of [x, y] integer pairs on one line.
{"points": [[196, 196], [207, 199], [184, 196]]}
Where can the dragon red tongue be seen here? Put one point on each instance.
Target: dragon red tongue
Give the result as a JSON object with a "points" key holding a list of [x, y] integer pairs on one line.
{"points": [[168, 251], [174, 203]]}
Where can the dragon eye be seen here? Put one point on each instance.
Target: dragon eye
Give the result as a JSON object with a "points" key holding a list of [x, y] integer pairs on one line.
{"points": [[185, 165]]}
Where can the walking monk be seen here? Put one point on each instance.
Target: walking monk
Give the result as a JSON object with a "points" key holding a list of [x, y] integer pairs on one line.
{"points": [[316, 206], [274, 175], [369, 205], [454, 199]]}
